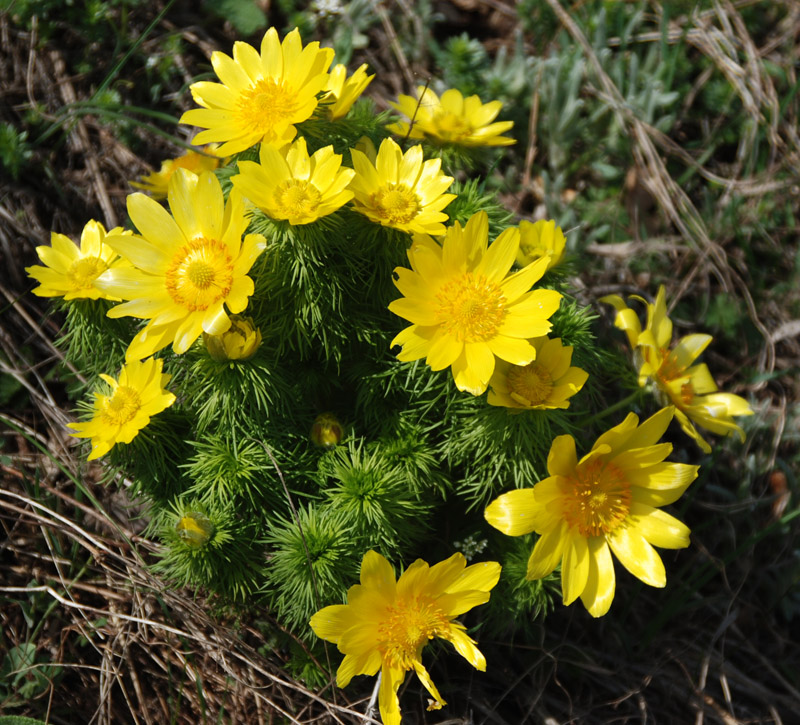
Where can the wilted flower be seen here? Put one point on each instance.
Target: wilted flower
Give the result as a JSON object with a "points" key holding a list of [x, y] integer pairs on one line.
{"points": [[673, 377]]}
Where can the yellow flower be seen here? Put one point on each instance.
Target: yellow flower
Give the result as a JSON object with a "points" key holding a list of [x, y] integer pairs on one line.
{"points": [[186, 269], [542, 239], [119, 417], [290, 185], [386, 624], [465, 306], [239, 342], [543, 384], [342, 92], [157, 183], [70, 270], [673, 377], [262, 95], [452, 119], [401, 190], [606, 502]]}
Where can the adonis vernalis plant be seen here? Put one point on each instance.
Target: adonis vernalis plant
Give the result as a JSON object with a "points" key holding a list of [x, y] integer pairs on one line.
{"points": [[264, 292]]}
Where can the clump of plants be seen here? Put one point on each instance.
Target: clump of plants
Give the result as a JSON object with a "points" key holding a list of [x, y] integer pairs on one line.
{"points": [[319, 356]]}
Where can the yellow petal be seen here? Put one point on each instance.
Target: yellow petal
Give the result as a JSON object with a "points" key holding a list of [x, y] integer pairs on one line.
{"points": [[514, 512], [377, 574], [465, 646], [391, 679], [601, 582], [574, 567], [637, 556], [562, 459], [658, 527], [547, 553]]}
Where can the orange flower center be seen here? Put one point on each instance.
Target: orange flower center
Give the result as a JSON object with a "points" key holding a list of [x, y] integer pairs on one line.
{"points": [[200, 274], [395, 203], [532, 383], [84, 271], [408, 627], [471, 308], [265, 106], [121, 407], [296, 198], [596, 499]]}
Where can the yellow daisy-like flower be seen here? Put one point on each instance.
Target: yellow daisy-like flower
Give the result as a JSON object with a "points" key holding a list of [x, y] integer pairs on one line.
{"points": [[342, 92], [606, 502], [262, 95], [186, 267], [71, 270], [465, 306], [135, 398], [239, 342], [386, 623], [157, 183], [673, 377], [542, 239], [547, 382], [290, 185], [401, 190], [451, 119]]}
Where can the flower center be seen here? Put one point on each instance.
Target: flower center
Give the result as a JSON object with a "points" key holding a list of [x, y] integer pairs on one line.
{"points": [[396, 203], [596, 499], [451, 127], [297, 198], [471, 308], [84, 271], [530, 384], [200, 274], [121, 407], [266, 105], [408, 627]]}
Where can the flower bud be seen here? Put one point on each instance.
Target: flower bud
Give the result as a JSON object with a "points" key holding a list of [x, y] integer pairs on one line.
{"points": [[326, 431], [540, 239], [239, 342], [195, 529]]}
